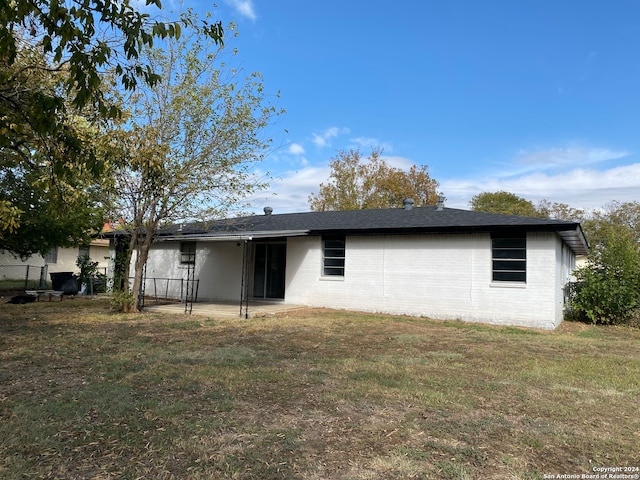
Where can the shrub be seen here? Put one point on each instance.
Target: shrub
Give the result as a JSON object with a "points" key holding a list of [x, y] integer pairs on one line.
{"points": [[122, 301], [607, 289], [90, 275]]}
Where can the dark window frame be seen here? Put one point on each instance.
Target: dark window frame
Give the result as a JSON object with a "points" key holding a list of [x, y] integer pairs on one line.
{"points": [[509, 258], [187, 253], [333, 256], [84, 251]]}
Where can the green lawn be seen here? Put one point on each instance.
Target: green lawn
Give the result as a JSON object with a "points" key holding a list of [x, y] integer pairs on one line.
{"points": [[87, 393]]}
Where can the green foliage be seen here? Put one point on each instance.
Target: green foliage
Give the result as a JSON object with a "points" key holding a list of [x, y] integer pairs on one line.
{"points": [[607, 289], [504, 202], [511, 204], [623, 215], [48, 187], [123, 301], [49, 208], [74, 36], [55, 104], [89, 274], [120, 264], [359, 183]]}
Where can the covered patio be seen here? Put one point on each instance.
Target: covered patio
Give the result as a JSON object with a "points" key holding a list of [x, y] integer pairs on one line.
{"points": [[255, 309]]}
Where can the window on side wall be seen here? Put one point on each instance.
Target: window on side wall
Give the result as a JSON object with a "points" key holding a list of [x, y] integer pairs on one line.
{"points": [[51, 256], [333, 255], [83, 251], [187, 253], [509, 255]]}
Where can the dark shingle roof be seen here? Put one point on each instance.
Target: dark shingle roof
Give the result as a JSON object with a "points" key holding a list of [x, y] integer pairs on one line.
{"points": [[381, 221]]}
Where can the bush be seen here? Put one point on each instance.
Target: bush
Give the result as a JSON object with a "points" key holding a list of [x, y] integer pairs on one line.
{"points": [[90, 276], [607, 290], [122, 301]]}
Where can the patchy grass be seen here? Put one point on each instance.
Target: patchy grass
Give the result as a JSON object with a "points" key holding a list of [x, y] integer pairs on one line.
{"points": [[87, 393]]}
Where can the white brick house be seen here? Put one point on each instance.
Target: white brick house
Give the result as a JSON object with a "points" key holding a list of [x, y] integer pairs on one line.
{"points": [[435, 262]]}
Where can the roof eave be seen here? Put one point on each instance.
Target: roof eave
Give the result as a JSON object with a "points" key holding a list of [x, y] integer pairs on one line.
{"points": [[571, 233]]}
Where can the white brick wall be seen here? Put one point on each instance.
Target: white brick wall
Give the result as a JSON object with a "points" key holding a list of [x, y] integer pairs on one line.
{"points": [[439, 276], [218, 267]]}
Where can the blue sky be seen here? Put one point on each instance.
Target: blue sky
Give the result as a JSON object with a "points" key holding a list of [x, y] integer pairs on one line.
{"points": [[539, 98]]}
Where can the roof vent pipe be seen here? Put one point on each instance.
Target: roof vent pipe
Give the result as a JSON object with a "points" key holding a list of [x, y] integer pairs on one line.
{"points": [[268, 210], [407, 203], [441, 200]]}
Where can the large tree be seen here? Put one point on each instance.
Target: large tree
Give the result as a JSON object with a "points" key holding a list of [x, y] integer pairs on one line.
{"points": [[624, 214], [53, 54], [192, 139], [560, 211], [356, 182], [504, 202], [50, 167]]}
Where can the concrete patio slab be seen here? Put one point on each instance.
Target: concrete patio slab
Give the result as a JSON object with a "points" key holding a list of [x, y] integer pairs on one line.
{"points": [[226, 310]]}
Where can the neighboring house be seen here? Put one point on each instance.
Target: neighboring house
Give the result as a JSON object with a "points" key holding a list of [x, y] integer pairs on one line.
{"points": [[58, 259], [64, 259], [436, 262]]}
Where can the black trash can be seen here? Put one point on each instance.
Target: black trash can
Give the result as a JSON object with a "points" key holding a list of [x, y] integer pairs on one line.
{"points": [[64, 282]]}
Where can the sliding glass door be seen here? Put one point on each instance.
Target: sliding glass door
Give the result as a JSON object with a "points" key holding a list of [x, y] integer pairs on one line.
{"points": [[269, 270]]}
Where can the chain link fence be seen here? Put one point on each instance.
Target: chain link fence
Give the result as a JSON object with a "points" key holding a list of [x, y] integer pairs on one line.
{"points": [[34, 277], [23, 277]]}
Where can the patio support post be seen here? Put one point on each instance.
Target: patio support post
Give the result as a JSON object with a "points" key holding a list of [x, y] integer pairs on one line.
{"points": [[244, 282]]}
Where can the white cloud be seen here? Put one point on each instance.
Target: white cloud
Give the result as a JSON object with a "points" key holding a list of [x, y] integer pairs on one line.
{"points": [[244, 8], [290, 192], [568, 175], [580, 187], [562, 157], [398, 162], [370, 142], [296, 149], [323, 139], [366, 141]]}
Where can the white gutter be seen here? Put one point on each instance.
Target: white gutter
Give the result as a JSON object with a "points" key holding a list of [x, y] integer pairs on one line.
{"points": [[224, 237]]}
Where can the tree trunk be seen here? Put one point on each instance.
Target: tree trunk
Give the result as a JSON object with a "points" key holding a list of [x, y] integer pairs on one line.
{"points": [[126, 273], [141, 260]]}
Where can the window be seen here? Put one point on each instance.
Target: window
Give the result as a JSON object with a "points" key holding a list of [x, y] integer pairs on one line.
{"points": [[83, 252], [51, 256], [333, 256], [187, 253], [509, 258]]}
